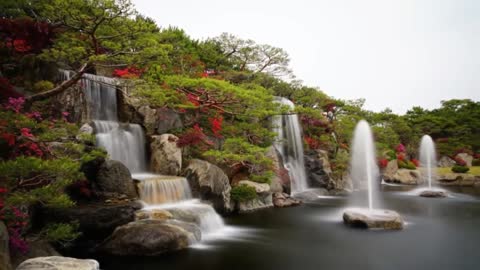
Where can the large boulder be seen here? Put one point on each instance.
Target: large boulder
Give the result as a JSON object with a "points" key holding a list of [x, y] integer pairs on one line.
{"points": [[318, 169], [146, 238], [466, 157], [458, 179], [113, 180], [264, 197], [74, 102], [406, 177], [281, 200], [373, 219], [210, 183], [446, 162], [166, 156], [4, 248], [159, 121], [390, 170], [96, 221], [58, 263], [36, 248]]}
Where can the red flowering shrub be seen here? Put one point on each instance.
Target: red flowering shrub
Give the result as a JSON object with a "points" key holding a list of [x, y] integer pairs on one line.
{"points": [[400, 148], [415, 162], [216, 125], [382, 163], [128, 73], [460, 162], [15, 221], [193, 136], [311, 142], [401, 156], [6, 90]]}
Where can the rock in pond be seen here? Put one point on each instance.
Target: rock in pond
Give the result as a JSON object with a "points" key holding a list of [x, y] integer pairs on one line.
{"points": [[146, 238], [433, 194], [373, 219], [58, 263], [281, 200]]}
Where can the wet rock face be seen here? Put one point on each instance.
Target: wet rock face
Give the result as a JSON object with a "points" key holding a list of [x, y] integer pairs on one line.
{"points": [[318, 169], [405, 176], [146, 238], [281, 200], [210, 183], [166, 156], [264, 197], [159, 121], [373, 219], [58, 263], [113, 179]]}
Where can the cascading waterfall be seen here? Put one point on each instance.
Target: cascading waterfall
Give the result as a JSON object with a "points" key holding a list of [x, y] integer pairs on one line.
{"points": [[126, 143], [289, 144], [428, 158]]}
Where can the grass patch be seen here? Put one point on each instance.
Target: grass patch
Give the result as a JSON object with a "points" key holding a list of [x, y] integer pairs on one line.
{"points": [[475, 170]]}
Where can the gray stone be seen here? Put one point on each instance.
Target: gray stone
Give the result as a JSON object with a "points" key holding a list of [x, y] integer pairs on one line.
{"points": [[113, 180], [4, 248], [145, 238], [373, 219], [467, 158], [260, 188], [210, 183], [458, 179], [390, 170], [166, 156], [159, 121], [281, 200], [276, 183], [58, 263], [255, 204], [446, 162], [433, 194], [406, 177], [319, 172], [36, 248]]}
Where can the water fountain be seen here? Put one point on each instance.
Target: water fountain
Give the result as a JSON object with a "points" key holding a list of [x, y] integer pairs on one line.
{"points": [[428, 161], [126, 143], [364, 172], [289, 144]]}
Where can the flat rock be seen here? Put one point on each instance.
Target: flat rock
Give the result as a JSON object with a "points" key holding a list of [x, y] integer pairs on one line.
{"points": [[373, 219], [433, 194], [58, 263], [281, 200]]}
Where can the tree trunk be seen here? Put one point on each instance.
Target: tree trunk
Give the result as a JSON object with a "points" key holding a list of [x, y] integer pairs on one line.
{"points": [[60, 88]]}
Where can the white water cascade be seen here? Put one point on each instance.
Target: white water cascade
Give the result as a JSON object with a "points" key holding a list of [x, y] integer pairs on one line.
{"points": [[126, 143], [289, 144]]}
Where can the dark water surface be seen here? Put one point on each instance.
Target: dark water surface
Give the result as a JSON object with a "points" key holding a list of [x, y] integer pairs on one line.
{"points": [[440, 234]]}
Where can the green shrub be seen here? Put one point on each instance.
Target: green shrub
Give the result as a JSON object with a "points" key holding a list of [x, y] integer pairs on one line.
{"points": [[243, 193], [476, 162], [406, 165], [42, 86], [460, 169], [61, 233]]}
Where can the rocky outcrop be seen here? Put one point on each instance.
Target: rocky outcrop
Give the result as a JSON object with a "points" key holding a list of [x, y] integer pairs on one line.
{"points": [[406, 177], [159, 121], [263, 200], [145, 238], [113, 180], [318, 169], [373, 219], [166, 156], [210, 183], [36, 248], [4, 248], [74, 102], [281, 200], [58, 263], [389, 171], [458, 179], [446, 162], [96, 221], [466, 157], [281, 180]]}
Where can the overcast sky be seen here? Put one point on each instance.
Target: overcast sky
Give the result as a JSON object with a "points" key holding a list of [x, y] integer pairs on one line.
{"points": [[393, 53]]}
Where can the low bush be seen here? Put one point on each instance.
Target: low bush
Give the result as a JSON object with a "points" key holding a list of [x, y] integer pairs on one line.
{"points": [[243, 193], [409, 165], [460, 169]]}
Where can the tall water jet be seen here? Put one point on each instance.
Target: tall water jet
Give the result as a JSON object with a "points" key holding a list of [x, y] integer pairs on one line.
{"points": [[364, 173], [289, 144], [428, 161]]}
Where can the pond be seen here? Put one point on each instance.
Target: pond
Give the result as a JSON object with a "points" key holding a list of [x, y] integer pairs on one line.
{"points": [[441, 233]]}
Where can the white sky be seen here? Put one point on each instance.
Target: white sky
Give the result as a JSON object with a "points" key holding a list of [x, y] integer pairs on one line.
{"points": [[393, 53]]}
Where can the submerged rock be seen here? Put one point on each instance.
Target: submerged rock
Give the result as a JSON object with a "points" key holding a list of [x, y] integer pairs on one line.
{"points": [[433, 194], [284, 200], [373, 219], [166, 157], [113, 180], [210, 183], [146, 238], [58, 263]]}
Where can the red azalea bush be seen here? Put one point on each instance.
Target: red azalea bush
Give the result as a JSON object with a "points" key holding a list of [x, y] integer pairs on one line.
{"points": [[400, 148], [311, 142], [128, 73], [401, 157], [15, 221], [216, 125], [460, 162], [193, 136], [416, 162], [383, 163]]}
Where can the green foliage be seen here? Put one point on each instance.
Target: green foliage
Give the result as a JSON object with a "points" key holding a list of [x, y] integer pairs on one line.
{"points": [[243, 193], [88, 139], [93, 154], [460, 169], [61, 233], [42, 86], [402, 164], [340, 164]]}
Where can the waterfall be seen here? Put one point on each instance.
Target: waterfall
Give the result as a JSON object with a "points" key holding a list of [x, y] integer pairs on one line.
{"points": [[289, 144], [164, 189]]}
